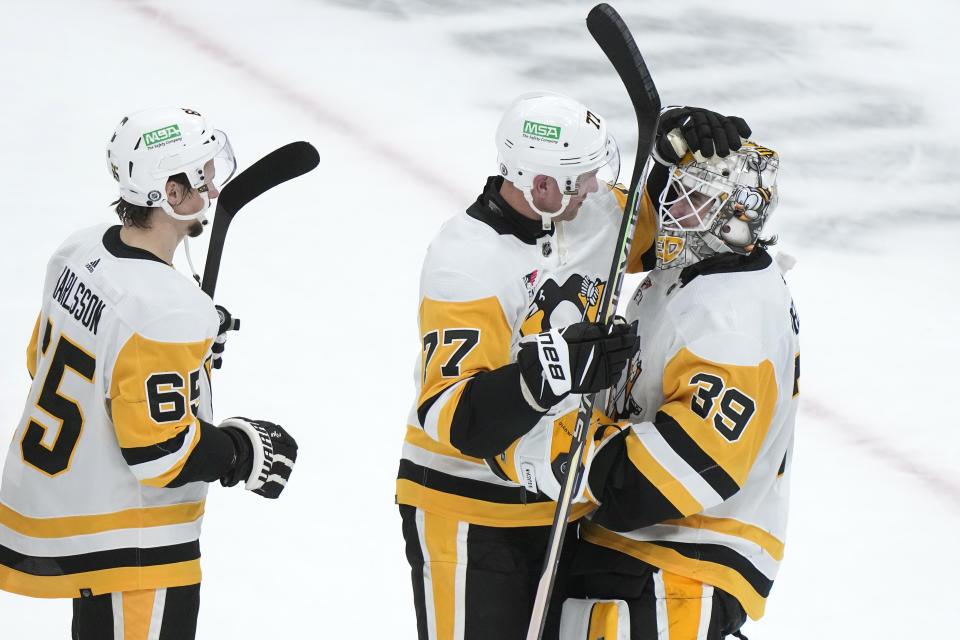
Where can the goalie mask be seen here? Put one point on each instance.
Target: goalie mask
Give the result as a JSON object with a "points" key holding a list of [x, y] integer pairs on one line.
{"points": [[717, 206], [150, 146], [550, 134]]}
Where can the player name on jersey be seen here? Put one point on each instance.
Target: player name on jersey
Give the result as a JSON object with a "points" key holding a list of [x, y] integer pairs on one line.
{"points": [[79, 300]]}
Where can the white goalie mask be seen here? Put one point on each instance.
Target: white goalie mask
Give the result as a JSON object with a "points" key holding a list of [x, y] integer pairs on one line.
{"points": [[150, 146], [550, 134], [717, 206]]}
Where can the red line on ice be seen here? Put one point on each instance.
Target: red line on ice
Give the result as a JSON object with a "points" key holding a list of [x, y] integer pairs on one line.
{"points": [[285, 92], [936, 483]]}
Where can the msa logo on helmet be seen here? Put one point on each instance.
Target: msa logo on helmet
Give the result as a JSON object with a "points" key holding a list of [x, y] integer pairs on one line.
{"points": [[539, 130], [668, 248], [161, 135]]}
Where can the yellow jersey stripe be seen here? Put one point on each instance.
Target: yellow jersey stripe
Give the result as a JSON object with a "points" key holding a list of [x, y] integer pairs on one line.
{"points": [[672, 489], [684, 602], [85, 525], [731, 527], [711, 573], [179, 574], [137, 612], [440, 536], [418, 438], [488, 514], [168, 476]]}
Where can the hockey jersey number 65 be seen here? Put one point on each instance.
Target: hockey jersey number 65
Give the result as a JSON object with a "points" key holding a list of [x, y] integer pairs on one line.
{"points": [[100, 488]]}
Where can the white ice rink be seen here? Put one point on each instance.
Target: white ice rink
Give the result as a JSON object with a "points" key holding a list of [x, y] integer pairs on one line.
{"points": [[401, 98]]}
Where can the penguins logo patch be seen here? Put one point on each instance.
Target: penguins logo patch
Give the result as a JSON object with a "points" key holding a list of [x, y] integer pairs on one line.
{"points": [[557, 305]]}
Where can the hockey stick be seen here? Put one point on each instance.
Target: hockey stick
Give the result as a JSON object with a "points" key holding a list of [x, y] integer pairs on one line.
{"points": [[278, 166], [611, 33]]}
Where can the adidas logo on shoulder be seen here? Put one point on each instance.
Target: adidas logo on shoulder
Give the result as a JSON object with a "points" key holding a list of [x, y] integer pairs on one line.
{"points": [[92, 265]]}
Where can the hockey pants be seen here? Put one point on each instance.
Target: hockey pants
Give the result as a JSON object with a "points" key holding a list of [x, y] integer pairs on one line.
{"points": [[472, 582], [149, 614]]}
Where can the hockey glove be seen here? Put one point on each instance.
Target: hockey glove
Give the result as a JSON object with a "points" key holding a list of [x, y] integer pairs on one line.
{"points": [[227, 323], [699, 131], [265, 455], [579, 358]]}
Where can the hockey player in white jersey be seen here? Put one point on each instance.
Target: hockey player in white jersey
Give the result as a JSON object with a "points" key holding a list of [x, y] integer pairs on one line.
{"points": [[106, 476], [531, 255], [692, 486]]}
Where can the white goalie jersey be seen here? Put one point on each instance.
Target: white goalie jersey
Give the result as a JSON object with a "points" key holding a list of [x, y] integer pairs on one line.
{"points": [[100, 486], [697, 483]]}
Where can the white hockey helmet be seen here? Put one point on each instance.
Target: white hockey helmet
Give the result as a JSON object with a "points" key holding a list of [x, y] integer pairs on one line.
{"points": [[150, 146], [544, 133], [719, 205]]}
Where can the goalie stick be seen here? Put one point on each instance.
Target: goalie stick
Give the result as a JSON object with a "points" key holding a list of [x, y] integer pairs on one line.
{"points": [[611, 33], [278, 166]]}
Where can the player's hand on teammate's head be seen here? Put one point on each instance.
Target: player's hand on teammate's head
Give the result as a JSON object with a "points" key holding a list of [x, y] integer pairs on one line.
{"points": [[227, 323], [699, 131], [265, 456]]}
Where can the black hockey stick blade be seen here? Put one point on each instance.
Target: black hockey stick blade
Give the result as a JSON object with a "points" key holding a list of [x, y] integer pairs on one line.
{"points": [[611, 33], [278, 166], [614, 37]]}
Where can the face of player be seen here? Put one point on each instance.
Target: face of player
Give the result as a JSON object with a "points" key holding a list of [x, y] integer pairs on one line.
{"points": [[689, 213], [189, 202], [548, 197]]}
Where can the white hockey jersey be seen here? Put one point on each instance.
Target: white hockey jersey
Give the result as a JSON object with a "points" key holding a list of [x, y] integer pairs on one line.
{"points": [[701, 487], [99, 492], [484, 285]]}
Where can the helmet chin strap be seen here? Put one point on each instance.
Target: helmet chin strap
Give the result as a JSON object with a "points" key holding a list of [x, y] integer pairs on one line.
{"points": [[193, 269], [546, 216], [548, 222], [199, 215]]}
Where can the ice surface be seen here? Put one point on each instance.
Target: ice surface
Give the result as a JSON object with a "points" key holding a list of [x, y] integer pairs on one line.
{"points": [[401, 98]]}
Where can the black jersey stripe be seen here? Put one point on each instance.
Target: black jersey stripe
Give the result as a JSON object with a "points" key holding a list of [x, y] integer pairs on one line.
{"points": [[465, 487], [698, 459], [592, 558], [99, 560], [719, 554], [139, 455], [427, 404]]}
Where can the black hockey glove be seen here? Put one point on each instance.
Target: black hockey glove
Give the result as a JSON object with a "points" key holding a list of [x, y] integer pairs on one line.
{"points": [[579, 358], [227, 323], [265, 455], [704, 132]]}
